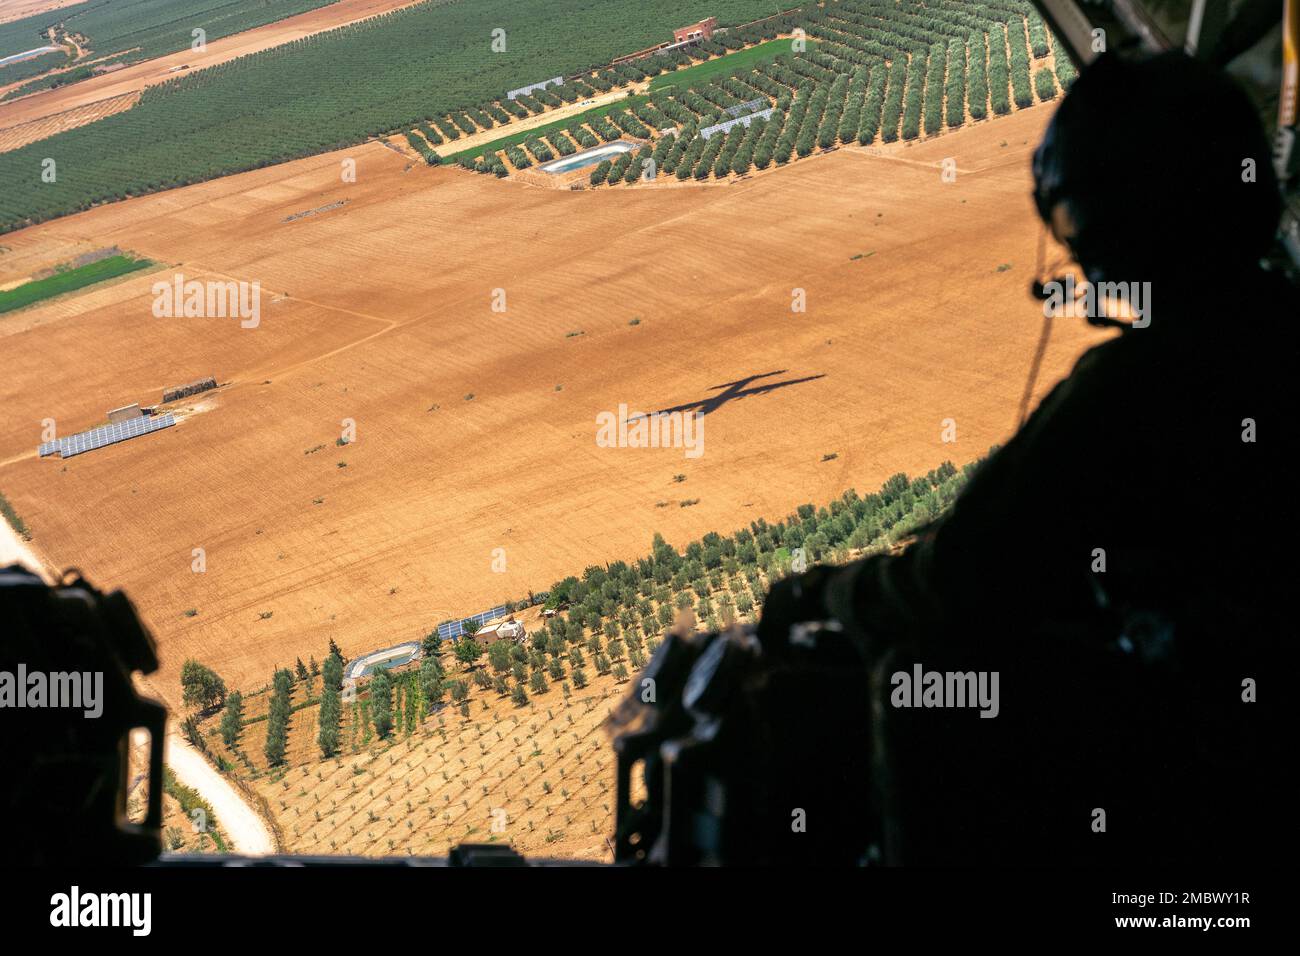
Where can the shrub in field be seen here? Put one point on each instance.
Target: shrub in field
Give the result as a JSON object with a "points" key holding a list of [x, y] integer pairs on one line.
{"points": [[201, 687], [1037, 34], [530, 103], [704, 165], [601, 172], [629, 124], [977, 87], [934, 89], [688, 160], [540, 151], [518, 157], [430, 158], [1021, 91], [459, 691], [912, 100], [1045, 84], [851, 118], [999, 74], [277, 722], [1065, 70], [381, 703], [331, 705], [468, 650], [829, 128], [583, 136], [743, 159], [537, 683], [432, 680], [561, 143], [869, 124], [232, 721], [892, 110], [662, 148], [956, 90], [619, 168], [499, 657], [605, 129]]}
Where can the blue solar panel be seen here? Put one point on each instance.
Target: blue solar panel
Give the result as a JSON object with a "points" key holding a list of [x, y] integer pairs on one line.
{"points": [[739, 108], [727, 125], [106, 435], [453, 629]]}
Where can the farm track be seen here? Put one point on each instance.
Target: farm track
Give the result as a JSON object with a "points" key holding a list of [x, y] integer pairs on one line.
{"points": [[238, 821], [485, 136]]}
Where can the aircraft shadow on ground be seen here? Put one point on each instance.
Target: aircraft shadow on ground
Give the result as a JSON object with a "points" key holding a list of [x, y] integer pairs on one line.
{"points": [[730, 392]]}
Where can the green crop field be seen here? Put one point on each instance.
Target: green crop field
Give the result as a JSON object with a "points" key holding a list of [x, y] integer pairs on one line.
{"points": [[69, 280], [723, 66], [19, 36], [331, 91], [140, 29], [870, 69], [37, 65]]}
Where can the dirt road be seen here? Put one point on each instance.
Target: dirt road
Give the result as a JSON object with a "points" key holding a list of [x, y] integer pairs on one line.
{"points": [[483, 137], [238, 821], [14, 549]]}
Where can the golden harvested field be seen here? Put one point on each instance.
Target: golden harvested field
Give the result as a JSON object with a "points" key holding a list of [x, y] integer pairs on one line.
{"points": [[19, 9], [476, 429], [15, 137]]}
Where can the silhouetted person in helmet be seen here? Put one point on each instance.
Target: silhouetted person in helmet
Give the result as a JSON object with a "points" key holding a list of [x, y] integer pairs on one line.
{"points": [[1124, 561]]}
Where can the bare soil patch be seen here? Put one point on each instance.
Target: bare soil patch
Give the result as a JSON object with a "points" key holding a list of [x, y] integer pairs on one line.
{"points": [[380, 313]]}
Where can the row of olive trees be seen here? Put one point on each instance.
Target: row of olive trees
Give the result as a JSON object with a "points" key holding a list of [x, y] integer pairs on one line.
{"points": [[426, 151], [331, 705], [277, 721]]}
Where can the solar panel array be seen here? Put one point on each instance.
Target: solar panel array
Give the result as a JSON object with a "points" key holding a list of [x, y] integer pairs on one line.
{"points": [[106, 435], [448, 630], [553, 81], [741, 108], [746, 120]]}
